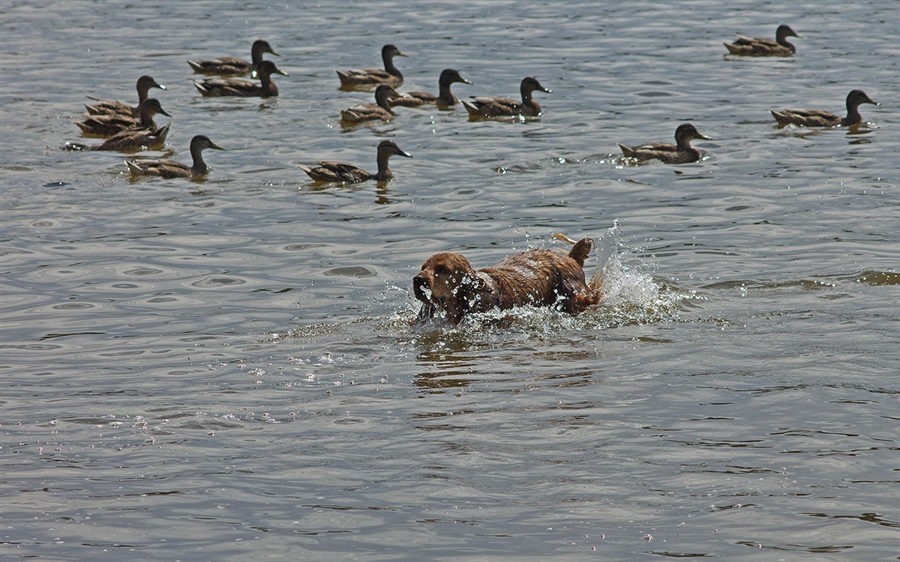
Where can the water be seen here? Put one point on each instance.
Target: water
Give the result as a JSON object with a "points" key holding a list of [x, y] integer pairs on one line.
{"points": [[226, 369]]}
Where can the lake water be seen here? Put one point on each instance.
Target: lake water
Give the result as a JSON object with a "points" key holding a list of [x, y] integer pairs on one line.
{"points": [[226, 370]]}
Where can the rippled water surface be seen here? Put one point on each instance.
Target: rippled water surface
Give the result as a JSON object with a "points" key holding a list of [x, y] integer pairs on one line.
{"points": [[226, 370]]}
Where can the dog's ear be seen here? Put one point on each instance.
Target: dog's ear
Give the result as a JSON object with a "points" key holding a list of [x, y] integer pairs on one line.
{"points": [[580, 250]]}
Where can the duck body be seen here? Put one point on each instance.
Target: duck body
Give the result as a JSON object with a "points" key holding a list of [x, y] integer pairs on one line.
{"points": [[237, 87], [822, 118], [370, 77], [107, 107], [381, 109], [114, 123], [136, 140], [679, 153], [445, 98], [505, 107], [341, 172], [173, 169], [234, 66], [762, 47]]}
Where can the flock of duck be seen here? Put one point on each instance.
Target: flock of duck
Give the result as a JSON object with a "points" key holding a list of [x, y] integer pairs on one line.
{"points": [[132, 128]]}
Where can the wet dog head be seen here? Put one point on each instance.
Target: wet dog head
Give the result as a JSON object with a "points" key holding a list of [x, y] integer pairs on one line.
{"points": [[447, 283]]}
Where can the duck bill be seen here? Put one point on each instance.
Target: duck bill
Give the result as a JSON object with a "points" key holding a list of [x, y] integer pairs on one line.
{"points": [[407, 154], [160, 86], [704, 137], [162, 111], [215, 146]]}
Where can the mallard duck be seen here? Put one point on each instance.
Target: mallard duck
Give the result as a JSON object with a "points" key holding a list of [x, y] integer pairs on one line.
{"points": [[128, 141], [381, 109], [340, 172], [232, 65], [444, 100], [106, 107], [500, 107], [114, 123], [215, 87], [173, 169], [821, 118], [762, 47], [370, 77], [679, 153]]}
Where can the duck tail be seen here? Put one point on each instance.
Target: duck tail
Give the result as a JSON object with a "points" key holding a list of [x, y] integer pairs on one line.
{"points": [[626, 150], [471, 107], [134, 168], [201, 88], [782, 118]]}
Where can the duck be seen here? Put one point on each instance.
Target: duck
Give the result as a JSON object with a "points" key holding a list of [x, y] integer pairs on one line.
{"points": [[339, 172], [128, 141], [114, 123], [679, 153], [217, 87], [500, 107], [381, 109], [107, 107], [370, 77], [172, 169], [445, 98], [821, 118], [233, 66], [762, 47]]}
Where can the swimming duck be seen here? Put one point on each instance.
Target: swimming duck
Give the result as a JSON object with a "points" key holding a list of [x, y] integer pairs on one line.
{"points": [[821, 118], [114, 123], [762, 47], [340, 172], [128, 141], [215, 87], [679, 153], [106, 107], [233, 65], [445, 98], [173, 169], [381, 109], [499, 107], [369, 77]]}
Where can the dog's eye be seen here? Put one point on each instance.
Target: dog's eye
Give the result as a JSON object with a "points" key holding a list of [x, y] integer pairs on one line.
{"points": [[441, 269]]}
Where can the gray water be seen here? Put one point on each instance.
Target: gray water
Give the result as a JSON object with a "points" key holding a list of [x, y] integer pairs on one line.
{"points": [[226, 369]]}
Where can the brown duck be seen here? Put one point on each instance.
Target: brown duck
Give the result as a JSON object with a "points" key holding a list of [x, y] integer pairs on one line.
{"points": [[237, 87], [445, 98], [173, 169], [233, 66], [501, 107], [339, 172], [762, 47], [679, 153], [106, 107], [381, 109], [371, 77], [114, 123], [822, 118]]}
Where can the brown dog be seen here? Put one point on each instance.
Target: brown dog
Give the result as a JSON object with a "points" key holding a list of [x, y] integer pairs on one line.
{"points": [[448, 284]]}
